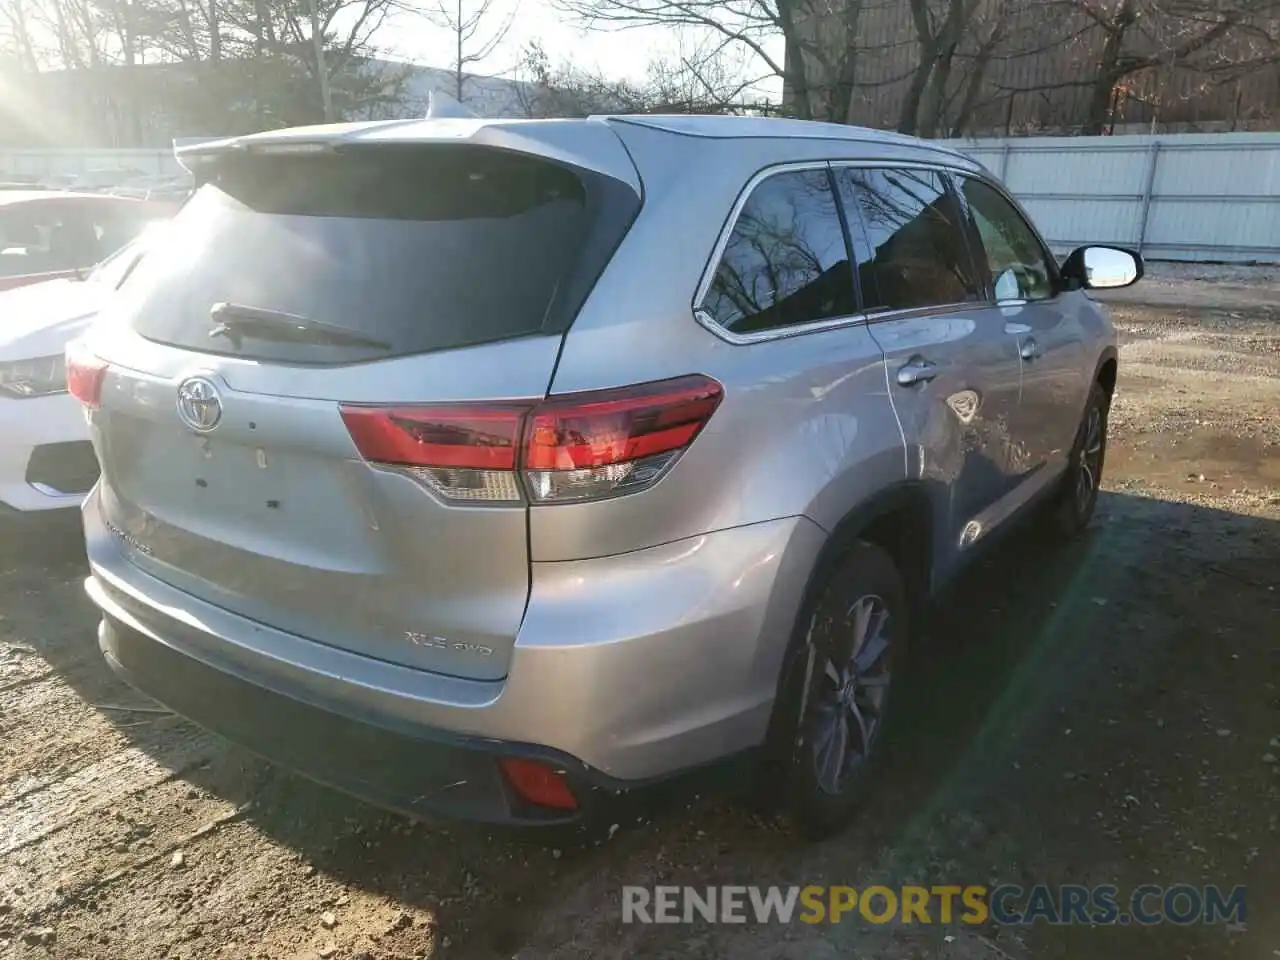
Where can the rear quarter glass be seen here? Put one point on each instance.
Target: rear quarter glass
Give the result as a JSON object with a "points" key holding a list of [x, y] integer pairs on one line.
{"points": [[419, 248]]}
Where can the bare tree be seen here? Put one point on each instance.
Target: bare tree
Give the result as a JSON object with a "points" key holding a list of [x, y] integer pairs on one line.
{"points": [[1118, 21], [330, 40], [16, 30], [748, 25], [990, 34], [699, 77], [939, 32], [1096, 55], [1142, 35], [844, 69], [477, 31], [702, 74], [321, 71], [215, 32], [548, 89], [950, 67], [139, 72]]}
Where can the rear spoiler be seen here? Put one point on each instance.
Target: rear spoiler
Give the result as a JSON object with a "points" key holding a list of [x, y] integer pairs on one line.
{"points": [[187, 151], [439, 106], [587, 144], [194, 152]]}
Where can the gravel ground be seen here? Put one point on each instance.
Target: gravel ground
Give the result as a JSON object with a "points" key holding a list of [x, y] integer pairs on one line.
{"points": [[1214, 288], [1103, 713], [1255, 275]]}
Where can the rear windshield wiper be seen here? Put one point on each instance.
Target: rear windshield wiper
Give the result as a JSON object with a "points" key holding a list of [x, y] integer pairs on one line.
{"points": [[234, 320]]}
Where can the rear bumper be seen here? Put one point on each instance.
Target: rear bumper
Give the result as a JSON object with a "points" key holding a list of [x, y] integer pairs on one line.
{"points": [[417, 775], [627, 669]]}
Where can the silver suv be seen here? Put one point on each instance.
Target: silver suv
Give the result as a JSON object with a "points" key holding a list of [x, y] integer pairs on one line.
{"points": [[487, 468]]}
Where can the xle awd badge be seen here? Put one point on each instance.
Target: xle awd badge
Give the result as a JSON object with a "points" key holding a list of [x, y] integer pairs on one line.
{"points": [[199, 405], [443, 643]]}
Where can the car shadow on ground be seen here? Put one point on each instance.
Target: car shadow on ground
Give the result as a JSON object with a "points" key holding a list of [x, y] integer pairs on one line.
{"points": [[1094, 639]]}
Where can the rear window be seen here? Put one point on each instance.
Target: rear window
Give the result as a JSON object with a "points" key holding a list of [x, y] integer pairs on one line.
{"points": [[420, 249]]}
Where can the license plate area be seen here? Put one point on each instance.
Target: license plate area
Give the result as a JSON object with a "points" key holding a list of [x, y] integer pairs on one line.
{"points": [[225, 510], [222, 473]]}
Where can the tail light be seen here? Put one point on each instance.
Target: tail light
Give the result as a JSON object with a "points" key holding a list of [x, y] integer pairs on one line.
{"points": [[575, 447], [591, 445], [85, 373], [463, 451]]}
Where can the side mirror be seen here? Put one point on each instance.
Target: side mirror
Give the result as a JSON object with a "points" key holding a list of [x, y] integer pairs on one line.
{"points": [[1102, 268]]}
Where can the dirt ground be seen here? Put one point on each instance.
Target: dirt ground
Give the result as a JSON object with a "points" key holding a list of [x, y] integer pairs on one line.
{"points": [[1104, 713]]}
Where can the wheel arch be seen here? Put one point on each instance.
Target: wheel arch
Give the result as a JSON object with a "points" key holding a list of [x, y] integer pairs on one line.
{"points": [[1105, 371], [898, 519]]}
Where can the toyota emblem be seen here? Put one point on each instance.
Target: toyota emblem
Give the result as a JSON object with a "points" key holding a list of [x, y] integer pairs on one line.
{"points": [[199, 405]]}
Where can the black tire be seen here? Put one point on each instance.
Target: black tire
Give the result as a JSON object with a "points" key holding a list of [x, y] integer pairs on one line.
{"points": [[1078, 496], [862, 589]]}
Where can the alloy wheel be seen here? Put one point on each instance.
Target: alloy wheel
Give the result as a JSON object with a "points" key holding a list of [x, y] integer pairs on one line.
{"points": [[1090, 472], [849, 704]]}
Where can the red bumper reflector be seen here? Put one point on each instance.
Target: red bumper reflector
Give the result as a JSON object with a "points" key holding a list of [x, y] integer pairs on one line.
{"points": [[537, 783]]}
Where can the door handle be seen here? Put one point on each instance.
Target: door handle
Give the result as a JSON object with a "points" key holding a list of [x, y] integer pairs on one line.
{"points": [[1030, 350], [916, 370]]}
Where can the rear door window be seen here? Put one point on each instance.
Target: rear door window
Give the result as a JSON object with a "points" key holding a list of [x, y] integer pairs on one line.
{"points": [[916, 247], [785, 263], [417, 249]]}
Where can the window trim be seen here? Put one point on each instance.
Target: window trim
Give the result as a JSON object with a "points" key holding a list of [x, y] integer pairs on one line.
{"points": [[711, 324]]}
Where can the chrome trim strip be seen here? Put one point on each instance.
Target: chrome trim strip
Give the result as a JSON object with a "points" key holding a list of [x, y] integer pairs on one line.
{"points": [[55, 494], [941, 309], [903, 165], [760, 336], [834, 323]]}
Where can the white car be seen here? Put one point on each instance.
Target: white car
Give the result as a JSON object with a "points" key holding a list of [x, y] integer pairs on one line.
{"points": [[46, 461]]}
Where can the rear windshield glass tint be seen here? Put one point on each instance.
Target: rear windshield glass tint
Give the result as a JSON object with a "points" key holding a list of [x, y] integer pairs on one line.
{"points": [[420, 249]]}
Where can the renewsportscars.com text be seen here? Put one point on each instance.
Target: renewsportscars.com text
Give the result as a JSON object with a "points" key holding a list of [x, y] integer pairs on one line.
{"points": [[1008, 905]]}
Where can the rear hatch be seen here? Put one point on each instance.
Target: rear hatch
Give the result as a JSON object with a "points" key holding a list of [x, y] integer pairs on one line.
{"points": [[313, 304]]}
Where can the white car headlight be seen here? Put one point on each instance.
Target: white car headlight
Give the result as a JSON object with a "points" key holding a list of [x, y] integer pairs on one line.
{"points": [[38, 377]]}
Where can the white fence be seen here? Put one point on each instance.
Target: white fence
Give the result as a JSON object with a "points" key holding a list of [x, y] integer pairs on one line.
{"points": [[42, 163], [1198, 197]]}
